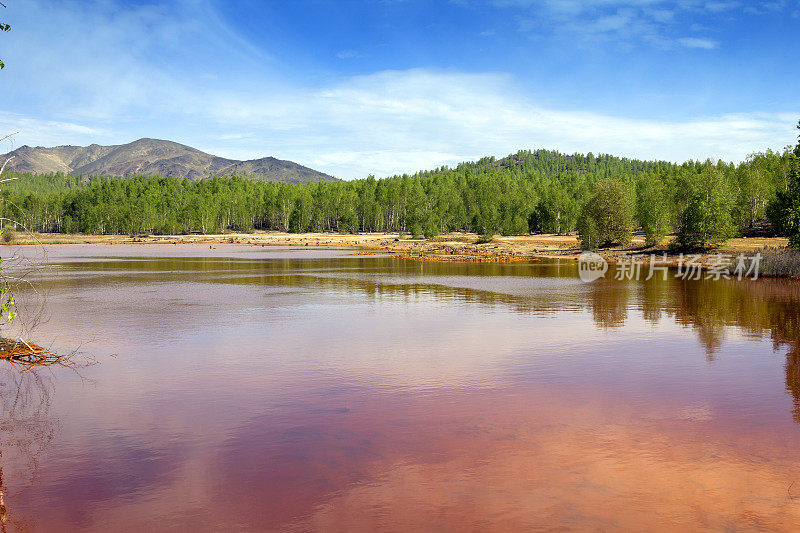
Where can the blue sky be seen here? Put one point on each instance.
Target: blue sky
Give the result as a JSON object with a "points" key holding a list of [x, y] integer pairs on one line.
{"points": [[386, 86]]}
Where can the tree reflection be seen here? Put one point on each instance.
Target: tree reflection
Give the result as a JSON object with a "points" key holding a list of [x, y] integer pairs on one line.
{"points": [[764, 308], [609, 302], [706, 307], [652, 297], [26, 429], [785, 331]]}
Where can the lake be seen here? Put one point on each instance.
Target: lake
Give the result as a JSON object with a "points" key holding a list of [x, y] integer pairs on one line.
{"points": [[257, 389]]}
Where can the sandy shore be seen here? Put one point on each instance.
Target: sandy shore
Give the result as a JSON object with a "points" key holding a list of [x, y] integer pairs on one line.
{"points": [[450, 247]]}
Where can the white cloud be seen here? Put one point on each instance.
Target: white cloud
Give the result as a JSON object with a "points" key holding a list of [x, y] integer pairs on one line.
{"points": [[108, 62], [694, 42], [628, 22], [763, 8], [114, 88], [348, 54], [38, 132], [402, 121]]}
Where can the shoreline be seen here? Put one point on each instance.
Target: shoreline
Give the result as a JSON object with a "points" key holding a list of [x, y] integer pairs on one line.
{"points": [[453, 247]]}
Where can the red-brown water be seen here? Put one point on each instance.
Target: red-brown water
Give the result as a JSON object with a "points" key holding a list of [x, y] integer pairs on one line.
{"points": [[258, 389]]}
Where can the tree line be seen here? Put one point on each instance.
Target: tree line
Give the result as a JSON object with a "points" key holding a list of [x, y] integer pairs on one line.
{"points": [[600, 197]]}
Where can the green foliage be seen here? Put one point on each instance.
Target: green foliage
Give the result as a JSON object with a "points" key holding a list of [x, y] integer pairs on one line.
{"points": [[485, 238], [754, 187], [607, 217], [431, 228], [653, 208], [530, 191], [784, 210], [589, 234], [797, 148], [8, 234], [6, 301], [707, 221]]}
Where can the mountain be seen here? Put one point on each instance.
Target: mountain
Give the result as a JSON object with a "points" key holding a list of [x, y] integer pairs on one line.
{"points": [[154, 157]]}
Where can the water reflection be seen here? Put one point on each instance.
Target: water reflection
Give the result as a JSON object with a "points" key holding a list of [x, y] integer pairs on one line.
{"points": [[766, 308], [524, 287], [276, 390], [769, 308], [26, 429], [610, 302]]}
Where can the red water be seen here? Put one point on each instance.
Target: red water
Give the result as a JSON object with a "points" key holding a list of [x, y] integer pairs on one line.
{"points": [[250, 389]]}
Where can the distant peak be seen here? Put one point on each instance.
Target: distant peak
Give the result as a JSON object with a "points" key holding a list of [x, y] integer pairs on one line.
{"points": [[148, 156], [151, 140]]}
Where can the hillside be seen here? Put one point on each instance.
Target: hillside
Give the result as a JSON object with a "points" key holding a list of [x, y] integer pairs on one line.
{"points": [[528, 192], [154, 157], [551, 163]]}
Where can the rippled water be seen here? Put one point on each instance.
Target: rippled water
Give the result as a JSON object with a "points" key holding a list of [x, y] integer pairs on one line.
{"points": [[245, 389]]}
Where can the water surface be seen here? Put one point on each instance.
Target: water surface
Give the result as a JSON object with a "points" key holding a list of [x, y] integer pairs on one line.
{"points": [[252, 389]]}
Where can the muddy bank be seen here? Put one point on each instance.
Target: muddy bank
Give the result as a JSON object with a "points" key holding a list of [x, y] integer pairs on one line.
{"points": [[450, 247]]}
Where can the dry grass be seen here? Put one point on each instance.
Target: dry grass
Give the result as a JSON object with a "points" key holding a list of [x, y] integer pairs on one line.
{"points": [[781, 262], [453, 237]]}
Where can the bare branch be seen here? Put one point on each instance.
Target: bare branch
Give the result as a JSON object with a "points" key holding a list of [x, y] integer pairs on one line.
{"points": [[10, 134], [4, 166]]}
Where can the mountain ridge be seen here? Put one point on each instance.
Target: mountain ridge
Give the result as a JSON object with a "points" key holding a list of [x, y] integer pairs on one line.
{"points": [[160, 157]]}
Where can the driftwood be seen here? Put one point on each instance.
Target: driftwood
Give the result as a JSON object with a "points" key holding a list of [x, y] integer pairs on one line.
{"points": [[28, 354]]}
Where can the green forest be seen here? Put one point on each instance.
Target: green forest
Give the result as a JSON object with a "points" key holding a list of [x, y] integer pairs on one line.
{"points": [[602, 198]]}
